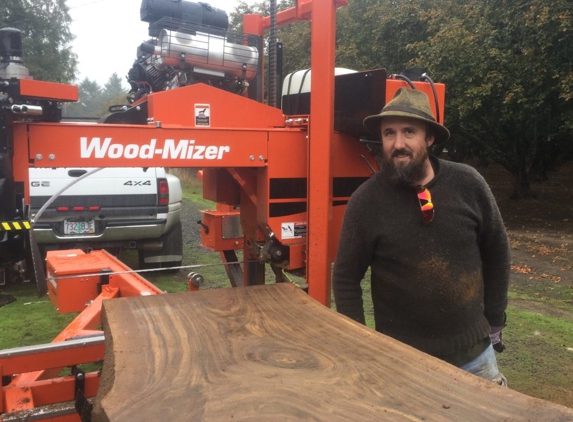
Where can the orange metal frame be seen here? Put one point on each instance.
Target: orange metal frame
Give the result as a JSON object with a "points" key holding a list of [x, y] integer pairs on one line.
{"points": [[38, 383], [244, 150]]}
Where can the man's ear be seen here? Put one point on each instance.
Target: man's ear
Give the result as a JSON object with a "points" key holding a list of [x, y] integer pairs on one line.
{"points": [[430, 140]]}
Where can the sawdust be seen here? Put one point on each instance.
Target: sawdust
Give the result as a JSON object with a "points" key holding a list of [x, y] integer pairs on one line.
{"points": [[462, 288]]}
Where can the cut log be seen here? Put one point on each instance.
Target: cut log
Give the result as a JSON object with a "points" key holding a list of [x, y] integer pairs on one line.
{"points": [[270, 353]]}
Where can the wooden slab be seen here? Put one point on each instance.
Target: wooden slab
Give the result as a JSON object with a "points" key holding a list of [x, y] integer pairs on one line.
{"points": [[271, 353]]}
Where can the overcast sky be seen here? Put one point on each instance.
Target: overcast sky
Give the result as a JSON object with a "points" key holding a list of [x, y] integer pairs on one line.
{"points": [[108, 33]]}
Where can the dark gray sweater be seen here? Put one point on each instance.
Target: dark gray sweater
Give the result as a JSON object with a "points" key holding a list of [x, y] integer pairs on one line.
{"points": [[436, 287]]}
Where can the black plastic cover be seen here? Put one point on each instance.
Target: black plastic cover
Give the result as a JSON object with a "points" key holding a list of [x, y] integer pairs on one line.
{"points": [[190, 12], [10, 43], [356, 96]]}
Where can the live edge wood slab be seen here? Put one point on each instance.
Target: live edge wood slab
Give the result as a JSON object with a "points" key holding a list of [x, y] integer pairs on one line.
{"points": [[272, 353]]}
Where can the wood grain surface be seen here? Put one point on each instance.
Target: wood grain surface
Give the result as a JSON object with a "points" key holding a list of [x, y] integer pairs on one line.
{"points": [[272, 353]]}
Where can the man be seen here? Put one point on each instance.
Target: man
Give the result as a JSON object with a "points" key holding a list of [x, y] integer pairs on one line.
{"points": [[432, 234]]}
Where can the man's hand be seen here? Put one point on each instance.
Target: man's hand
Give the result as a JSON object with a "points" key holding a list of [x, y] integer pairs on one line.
{"points": [[496, 339]]}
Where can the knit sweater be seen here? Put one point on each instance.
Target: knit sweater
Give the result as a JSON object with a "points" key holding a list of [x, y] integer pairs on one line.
{"points": [[439, 286]]}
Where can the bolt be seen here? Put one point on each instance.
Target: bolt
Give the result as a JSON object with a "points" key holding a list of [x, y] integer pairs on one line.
{"points": [[261, 158], [52, 157], [39, 156], [252, 158]]}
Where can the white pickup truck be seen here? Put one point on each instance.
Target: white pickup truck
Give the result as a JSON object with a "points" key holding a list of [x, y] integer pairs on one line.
{"points": [[112, 208]]}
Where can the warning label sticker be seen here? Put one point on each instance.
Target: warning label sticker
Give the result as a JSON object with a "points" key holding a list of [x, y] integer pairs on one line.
{"points": [[202, 115], [293, 230]]}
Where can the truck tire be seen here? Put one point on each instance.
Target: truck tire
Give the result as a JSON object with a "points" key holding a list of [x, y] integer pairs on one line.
{"points": [[170, 255]]}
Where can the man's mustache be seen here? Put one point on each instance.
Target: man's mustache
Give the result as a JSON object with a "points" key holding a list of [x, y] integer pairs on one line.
{"points": [[399, 152]]}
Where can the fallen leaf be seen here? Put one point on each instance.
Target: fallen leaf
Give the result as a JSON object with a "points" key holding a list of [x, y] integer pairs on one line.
{"points": [[522, 269]]}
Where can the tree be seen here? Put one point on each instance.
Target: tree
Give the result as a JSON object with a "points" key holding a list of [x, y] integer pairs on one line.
{"points": [[370, 34], [296, 36], [506, 65], [112, 94], [89, 104], [377, 33], [507, 68], [46, 37], [94, 101]]}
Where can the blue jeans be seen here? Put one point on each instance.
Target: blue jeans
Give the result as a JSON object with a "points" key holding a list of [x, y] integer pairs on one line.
{"points": [[485, 366]]}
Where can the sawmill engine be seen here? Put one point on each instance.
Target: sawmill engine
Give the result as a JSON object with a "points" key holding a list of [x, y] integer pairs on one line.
{"points": [[191, 43]]}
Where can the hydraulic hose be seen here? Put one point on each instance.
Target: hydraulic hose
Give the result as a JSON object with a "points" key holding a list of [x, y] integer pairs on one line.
{"points": [[404, 78], [427, 78]]}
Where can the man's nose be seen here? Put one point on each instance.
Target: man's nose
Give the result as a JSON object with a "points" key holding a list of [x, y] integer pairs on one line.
{"points": [[400, 141]]}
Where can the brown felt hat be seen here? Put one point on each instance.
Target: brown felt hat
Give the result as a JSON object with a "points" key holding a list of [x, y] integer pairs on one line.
{"points": [[409, 103]]}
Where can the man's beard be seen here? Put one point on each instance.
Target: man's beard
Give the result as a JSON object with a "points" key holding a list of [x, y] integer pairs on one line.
{"points": [[408, 174]]}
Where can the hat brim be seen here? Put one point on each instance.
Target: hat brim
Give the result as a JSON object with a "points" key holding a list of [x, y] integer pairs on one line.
{"points": [[372, 123]]}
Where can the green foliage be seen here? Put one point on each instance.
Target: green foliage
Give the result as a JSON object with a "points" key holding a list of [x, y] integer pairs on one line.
{"points": [[375, 34], [259, 8], [112, 94], [94, 100], [296, 40], [46, 37], [296, 36], [508, 74], [88, 105], [506, 65]]}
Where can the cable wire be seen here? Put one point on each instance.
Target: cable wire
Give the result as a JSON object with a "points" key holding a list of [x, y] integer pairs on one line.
{"points": [[58, 193], [150, 270]]}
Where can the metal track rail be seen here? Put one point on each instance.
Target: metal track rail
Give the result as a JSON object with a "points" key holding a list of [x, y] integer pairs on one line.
{"points": [[75, 343]]}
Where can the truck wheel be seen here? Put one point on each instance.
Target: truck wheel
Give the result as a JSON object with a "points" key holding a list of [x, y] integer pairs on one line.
{"points": [[170, 255]]}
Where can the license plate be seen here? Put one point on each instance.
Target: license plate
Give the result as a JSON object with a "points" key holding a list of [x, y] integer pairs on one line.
{"points": [[79, 227]]}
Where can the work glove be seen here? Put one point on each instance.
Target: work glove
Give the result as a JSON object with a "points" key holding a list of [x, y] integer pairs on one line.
{"points": [[496, 336], [496, 339]]}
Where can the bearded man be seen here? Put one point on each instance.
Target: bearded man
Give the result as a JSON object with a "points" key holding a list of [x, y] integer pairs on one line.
{"points": [[432, 234]]}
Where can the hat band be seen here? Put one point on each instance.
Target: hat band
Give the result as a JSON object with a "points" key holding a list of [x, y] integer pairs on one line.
{"points": [[407, 109]]}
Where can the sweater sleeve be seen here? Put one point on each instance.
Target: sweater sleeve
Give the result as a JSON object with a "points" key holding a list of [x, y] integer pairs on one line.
{"points": [[496, 258], [352, 259]]}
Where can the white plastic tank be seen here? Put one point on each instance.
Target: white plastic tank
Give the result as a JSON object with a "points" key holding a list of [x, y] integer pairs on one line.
{"points": [[299, 82], [296, 90]]}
